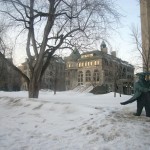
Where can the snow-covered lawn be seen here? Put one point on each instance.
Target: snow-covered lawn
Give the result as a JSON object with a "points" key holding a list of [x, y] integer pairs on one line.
{"points": [[71, 121]]}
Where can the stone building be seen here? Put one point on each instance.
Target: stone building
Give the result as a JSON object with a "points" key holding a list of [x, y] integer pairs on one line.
{"points": [[145, 29], [25, 69], [53, 78], [98, 68], [9, 78]]}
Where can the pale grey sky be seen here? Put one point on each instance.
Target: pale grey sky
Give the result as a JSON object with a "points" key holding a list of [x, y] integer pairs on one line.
{"points": [[121, 40]]}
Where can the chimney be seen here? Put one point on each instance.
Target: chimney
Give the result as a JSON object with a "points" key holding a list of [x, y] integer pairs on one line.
{"points": [[113, 53]]}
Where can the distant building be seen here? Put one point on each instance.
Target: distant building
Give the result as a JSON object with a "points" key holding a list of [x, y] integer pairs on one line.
{"points": [[53, 78], [94, 68], [98, 68], [24, 67], [145, 28], [9, 78]]}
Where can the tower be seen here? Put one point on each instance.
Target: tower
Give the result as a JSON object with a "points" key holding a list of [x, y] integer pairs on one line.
{"points": [[103, 47], [145, 30]]}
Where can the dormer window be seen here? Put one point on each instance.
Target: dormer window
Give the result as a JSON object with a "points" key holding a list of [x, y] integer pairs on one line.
{"points": [[87, 55]]}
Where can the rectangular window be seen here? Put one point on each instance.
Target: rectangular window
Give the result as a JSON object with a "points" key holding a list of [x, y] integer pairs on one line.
{"points": [[98, 62], [68, 74], [79, 64], [82, 64], [85, 64]]}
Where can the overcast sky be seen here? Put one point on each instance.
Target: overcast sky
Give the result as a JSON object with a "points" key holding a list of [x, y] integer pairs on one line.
{"points": [[123, 41]]}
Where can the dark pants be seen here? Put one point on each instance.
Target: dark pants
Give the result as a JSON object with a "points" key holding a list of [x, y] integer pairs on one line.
{"points": [[143, 101]]}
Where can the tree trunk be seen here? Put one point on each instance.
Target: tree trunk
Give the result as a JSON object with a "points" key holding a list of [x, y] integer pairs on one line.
{"points": [[55, 85], [34, 87], [115, 89]]}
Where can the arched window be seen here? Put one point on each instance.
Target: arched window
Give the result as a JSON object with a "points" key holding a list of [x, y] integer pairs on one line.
{"points": [[88, 76], [96, 76], [80, 78]]}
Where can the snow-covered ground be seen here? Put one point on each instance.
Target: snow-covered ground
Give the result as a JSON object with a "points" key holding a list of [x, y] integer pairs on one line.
{"points": [[71, 121]]}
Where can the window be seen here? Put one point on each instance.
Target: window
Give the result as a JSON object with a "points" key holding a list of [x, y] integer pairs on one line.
{"points": [[85, 64], [97, 62], [80, 78], [82, 64], [79, 64], [87, 55], [91, 55], [88, 76], [96, 76], [68, 74]]}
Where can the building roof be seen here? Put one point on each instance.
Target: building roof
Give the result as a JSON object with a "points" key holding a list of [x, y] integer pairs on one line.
{"points": [[101, 55], [96, 52], [74, 56]]}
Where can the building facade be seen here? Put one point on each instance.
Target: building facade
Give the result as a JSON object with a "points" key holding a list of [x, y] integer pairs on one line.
{"points": [[25, 69], [9, 78], [98, 68], [145, 30], [53, 78], [89, 69]]}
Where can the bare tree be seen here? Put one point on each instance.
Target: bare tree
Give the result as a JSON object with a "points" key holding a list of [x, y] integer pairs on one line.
{"points": [[144, 51], [56, 24]]}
